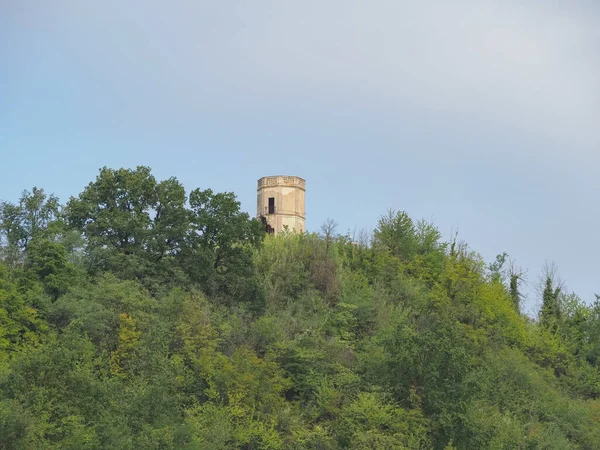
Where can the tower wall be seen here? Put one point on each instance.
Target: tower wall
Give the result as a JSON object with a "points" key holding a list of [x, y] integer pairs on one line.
{"points": [[288, 194]]}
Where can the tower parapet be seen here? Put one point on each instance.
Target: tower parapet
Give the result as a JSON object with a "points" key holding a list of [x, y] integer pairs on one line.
{"points": [[280, 203]]}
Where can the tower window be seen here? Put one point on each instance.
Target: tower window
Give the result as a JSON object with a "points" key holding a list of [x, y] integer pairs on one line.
{"points": [[271, 205]]}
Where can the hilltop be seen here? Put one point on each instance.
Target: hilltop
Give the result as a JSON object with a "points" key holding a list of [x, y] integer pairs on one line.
{"points": [[137, 315]]}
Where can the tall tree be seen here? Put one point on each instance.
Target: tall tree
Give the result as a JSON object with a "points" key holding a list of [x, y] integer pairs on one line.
{"points": [[328, 232], [516, 278], [220, 241], [496, 269], [19, 223], [49, 262], [550, 313], [129, 219], [396, 232], [219, 225]]}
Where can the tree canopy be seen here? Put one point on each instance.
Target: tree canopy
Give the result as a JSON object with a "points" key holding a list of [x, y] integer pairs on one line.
{"points": [[140, 315]]}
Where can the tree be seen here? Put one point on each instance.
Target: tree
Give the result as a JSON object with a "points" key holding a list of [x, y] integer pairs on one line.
{"points": [[551, 288], [396, 232], [496, 269], [39, 210], [11, 225], [130, 221], [219, 225], [171, 222], [20, 223], [49, 261], [430, 253], [328, 232], [516, 277], [219, 247]]}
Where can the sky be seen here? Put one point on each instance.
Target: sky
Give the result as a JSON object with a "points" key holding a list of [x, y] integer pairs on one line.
{"points": [[481, 116]]}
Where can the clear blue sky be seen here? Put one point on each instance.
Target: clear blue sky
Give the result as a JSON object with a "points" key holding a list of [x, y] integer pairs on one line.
{"points": [[483, 116]]}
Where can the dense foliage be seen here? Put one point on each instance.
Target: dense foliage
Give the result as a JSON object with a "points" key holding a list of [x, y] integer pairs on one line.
{"points": [[138, 316]]}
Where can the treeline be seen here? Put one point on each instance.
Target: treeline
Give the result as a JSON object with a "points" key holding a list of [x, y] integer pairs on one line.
{"points": [[141, 316]]}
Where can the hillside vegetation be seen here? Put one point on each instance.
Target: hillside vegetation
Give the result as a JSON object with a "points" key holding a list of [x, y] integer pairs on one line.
{"points": [[141, 316]]}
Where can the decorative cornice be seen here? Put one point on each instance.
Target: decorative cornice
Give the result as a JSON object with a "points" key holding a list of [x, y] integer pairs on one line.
{"points": [[282, 180]]}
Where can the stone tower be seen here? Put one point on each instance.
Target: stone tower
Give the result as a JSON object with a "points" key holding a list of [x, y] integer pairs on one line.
{"points": [[280, 203]]}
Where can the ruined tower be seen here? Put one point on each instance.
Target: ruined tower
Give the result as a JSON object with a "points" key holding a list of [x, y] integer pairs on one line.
{"points": [[280, 203]]}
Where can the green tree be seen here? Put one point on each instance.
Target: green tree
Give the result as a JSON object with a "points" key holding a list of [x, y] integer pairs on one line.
{"points": [[22, 222], [550, 313], [131, 222], [396, 232], [49, 261], [497, 270], [219, 255]]}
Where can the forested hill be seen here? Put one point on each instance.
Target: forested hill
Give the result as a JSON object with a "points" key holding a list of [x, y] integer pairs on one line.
{"points": [[141, 316]]}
